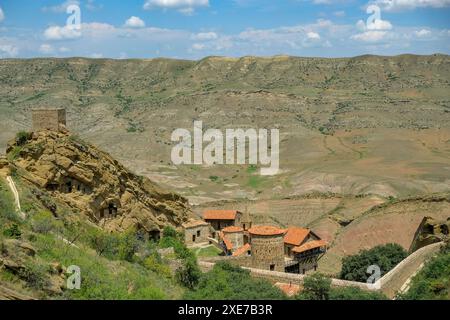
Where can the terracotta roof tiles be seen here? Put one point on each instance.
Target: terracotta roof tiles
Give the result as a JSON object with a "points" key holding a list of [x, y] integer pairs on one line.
{"points": [[220, 214], [266, 231], [296, 235]]}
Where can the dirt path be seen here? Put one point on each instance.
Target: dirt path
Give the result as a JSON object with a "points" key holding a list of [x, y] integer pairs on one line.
{"points": [[13, 188]]}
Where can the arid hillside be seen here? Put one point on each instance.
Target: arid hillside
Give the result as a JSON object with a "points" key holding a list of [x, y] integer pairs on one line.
{"points": [[364, 125]]}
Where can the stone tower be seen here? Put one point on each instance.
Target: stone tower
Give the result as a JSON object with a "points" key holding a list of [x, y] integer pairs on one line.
{"points": [[49, 119], [246, 220], [267, 248]]}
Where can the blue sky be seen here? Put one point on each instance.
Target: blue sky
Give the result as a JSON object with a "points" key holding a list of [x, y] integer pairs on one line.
{"points": [[192, 29]]}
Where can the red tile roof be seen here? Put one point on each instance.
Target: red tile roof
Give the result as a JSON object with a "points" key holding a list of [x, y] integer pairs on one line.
{"points": [[220, 214], [228, 243], [288, 288], [296, 235], [232, 229], [310, 245], [242, 250], [266, 231], [194, 223]]}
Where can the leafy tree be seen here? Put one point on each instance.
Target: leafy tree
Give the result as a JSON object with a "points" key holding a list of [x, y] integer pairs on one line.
{"points": [[128, 245], [315, 287], [387, 256], [226, 281]]}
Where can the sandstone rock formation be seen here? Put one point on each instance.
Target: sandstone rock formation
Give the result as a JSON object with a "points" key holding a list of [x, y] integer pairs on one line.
{"points": [[92, 182]]}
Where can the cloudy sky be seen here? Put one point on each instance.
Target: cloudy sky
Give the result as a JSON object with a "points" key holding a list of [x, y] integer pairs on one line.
{"points": [[192, 29]]}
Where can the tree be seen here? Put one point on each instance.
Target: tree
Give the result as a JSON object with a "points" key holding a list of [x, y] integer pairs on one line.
{"points": [[386, 257], [315, 287], [229, 282]]}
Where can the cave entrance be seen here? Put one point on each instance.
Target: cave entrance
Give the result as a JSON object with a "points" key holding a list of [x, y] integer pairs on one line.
{"points": [[112, 209], [154, 235], [69, 186]]}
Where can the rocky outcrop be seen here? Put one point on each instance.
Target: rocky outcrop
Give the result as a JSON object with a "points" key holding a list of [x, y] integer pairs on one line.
{"points": [[430, 231], [93, 183], [19, 257]]}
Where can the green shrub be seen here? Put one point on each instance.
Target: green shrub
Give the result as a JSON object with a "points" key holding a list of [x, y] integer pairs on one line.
{"points": [[352, 293], [154, 263], [128, 245], [13, 232], [22, 137], [318, 287], [387, 256], [104, 243], [315, 287], [432, 282], [45, 222], [14, 153], [35, 275], [226, 281]]}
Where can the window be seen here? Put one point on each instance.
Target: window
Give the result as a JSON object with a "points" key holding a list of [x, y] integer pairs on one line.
{"points": [[272, 267], [193, 238], [198, 233]]}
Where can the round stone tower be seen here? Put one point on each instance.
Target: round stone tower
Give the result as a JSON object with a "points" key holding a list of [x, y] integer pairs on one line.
{"points": [[267, 248]]}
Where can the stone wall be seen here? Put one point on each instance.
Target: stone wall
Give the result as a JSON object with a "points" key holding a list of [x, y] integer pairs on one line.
{"points": [[392, 282], [48, 119], [200, 233]]}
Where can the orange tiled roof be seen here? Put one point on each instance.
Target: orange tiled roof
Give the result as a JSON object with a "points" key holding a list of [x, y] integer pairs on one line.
{"points": [[228, 243], [242, 250], [232, 229], [219, 214], [194, 223], [310, 245], [288, 288], [296, 235], [266, 230]]}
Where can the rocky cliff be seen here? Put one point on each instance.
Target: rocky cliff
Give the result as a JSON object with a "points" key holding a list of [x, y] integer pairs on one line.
{"points": [[93, 183]]}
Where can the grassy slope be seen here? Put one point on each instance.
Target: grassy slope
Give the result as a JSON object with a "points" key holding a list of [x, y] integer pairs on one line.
{"points": [[102, 278]]}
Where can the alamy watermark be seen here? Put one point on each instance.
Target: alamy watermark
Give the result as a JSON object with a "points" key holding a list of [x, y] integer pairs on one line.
{"points": [[375, 275], [229, 147], [74, 280]]}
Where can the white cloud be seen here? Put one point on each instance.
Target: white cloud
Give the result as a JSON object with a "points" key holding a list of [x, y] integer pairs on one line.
{"points": [[401, 5], [2, 15], [202, 36], [422, 33], [134, 22], [370, 36], [46, 48], [64, 49], [61, 33], [8, 51], [186, 7], [376, 24], [96, 55], [340, 13], [198, 46], [379, 24], [313, 35], [61, 7]]}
